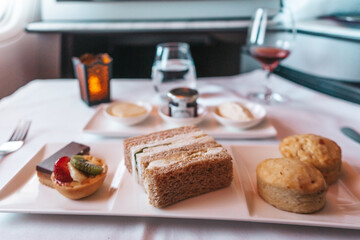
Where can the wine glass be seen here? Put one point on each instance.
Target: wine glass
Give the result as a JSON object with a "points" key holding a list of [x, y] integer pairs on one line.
{"points": [[173, 68], [270, 39]]}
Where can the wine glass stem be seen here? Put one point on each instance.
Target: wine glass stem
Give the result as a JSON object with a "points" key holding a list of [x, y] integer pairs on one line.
{"points": [[268, 91]]}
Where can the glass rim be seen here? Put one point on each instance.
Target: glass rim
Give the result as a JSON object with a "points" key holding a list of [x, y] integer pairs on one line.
{"points": [[291, 28], [274, 9], [173, 45]]}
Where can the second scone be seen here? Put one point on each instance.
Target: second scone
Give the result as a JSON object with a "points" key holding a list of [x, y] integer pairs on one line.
{"points": [[321, 152], [291, 185]]}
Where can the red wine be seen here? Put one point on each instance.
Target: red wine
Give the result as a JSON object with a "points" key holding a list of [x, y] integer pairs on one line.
{"points": [[269, 56]]}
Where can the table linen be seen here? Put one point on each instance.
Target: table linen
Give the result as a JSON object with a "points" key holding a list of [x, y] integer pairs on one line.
{"points": [[58, 115]]}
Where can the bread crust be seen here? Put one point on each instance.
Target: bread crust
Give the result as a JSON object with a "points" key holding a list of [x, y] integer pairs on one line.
{"points": [[74, 190], [291, 185], [166, 186], [173, 168], [151, 138], [187, 151], [321, 152]]}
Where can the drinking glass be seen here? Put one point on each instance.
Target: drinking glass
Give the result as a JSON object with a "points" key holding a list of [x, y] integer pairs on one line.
{"points": [[270, 39], [173, 68]]}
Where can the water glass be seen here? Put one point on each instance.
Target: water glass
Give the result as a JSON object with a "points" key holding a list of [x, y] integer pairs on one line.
{"points": [[173, 68]]}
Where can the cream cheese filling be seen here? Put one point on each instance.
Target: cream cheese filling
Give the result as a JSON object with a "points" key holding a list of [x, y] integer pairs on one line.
{"points": [[162, 148], [165, 162], [135, 164]]}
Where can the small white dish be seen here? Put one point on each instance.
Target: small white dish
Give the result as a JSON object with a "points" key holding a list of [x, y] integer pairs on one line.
{"points": [[164, 114], [128, 120], [257, 111]]}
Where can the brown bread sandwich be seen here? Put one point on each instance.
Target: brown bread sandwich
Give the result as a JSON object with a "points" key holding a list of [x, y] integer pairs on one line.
{"points": [[177, 164]]}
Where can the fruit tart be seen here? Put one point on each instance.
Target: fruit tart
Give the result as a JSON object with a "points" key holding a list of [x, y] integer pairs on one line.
{"points": [[79, 176]]}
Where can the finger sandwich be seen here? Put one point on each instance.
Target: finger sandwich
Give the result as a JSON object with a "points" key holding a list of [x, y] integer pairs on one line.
{"points": [[176, 164]]}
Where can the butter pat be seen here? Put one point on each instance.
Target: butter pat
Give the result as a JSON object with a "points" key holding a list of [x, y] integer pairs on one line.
{"points": [[126, 110], [234, 111]]}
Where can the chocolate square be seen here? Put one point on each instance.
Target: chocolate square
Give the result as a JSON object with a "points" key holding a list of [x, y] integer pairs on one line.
{"points": [[73, 148]]}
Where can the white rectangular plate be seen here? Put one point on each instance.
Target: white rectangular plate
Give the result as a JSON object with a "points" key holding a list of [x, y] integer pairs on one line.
{"points": [[121, 196], [100, 125]]}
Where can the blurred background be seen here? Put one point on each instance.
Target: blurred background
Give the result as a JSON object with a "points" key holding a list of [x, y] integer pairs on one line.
{"points": [[39, 37]]}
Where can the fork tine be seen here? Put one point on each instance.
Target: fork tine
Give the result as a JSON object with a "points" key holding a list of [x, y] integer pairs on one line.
{"points": [[13, 134], [23, 131], [28, 124], [16, 131], [20, 131]]}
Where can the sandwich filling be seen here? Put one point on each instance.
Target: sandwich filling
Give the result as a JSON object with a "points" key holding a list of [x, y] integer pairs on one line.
{"points": [[176, 164], [180, 158], [143, 150]]}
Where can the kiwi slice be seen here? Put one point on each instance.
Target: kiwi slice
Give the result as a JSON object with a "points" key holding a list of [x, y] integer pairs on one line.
{"points": [[79, 162]]}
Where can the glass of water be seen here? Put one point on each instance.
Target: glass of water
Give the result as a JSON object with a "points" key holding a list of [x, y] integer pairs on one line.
{"points": [[173, 68]]}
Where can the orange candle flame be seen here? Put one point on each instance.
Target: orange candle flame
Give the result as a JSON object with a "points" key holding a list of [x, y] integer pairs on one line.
{"points": [[94, 85]]}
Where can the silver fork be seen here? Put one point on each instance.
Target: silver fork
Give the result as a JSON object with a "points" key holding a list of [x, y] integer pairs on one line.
{"points": [[16, 140]]}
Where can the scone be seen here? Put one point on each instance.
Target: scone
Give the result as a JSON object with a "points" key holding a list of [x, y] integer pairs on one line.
{"points": [[79, 176], [291, 185], [321, 152]]}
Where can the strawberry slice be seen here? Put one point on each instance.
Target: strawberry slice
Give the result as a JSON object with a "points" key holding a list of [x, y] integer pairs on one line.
{"points": [[61, 170]]}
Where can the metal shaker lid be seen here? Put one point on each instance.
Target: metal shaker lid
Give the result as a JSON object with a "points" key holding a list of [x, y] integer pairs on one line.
{"points": [[183, 94]]}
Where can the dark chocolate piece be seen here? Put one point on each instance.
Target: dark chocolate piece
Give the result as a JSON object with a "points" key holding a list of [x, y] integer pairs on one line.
{"points": [[73, 148]]}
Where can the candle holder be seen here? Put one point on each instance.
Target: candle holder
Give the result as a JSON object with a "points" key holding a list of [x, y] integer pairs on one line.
{"points": [[94, 74]]}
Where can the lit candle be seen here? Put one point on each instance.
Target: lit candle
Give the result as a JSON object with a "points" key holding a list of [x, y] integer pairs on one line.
{"points": [[94, 74]]}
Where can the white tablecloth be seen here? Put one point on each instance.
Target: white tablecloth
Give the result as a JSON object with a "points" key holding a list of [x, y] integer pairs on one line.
{"points": [[58, 115]]}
